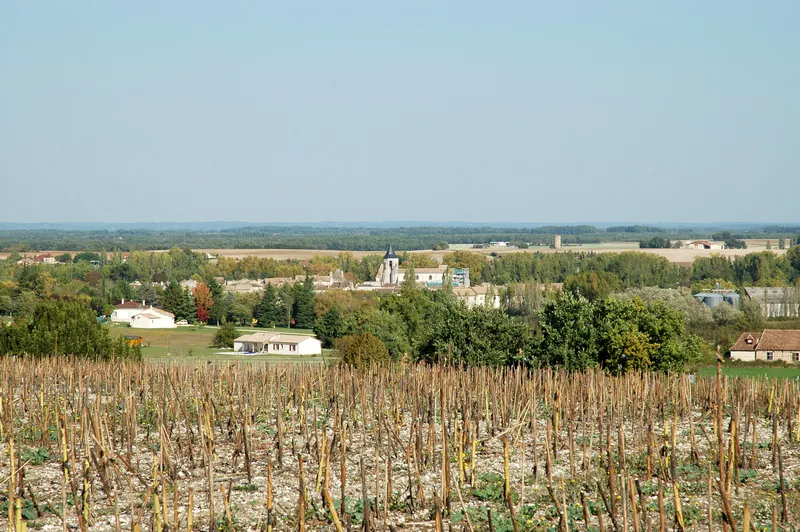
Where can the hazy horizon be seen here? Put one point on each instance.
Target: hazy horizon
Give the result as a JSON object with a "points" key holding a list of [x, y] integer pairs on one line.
{"points": [[167, 225], [616, 112]]}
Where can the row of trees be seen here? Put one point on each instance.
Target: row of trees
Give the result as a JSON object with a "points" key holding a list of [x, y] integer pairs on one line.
{"points": [[655, 242], [763, 268], [350, 238], [618, 334]]}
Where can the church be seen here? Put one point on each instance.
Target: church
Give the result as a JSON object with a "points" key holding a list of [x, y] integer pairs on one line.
{"points": [[391, 274]]}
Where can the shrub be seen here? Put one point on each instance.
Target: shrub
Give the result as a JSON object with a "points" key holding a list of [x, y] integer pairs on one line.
{"points": [[361, 349], [225, 335]]}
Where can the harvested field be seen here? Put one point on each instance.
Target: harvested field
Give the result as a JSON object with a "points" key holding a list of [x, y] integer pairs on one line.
{"points": [[107, 446]]}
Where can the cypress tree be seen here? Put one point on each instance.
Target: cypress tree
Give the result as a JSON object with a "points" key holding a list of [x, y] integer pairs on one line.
{"points": [[267, 310], [303, 308]]}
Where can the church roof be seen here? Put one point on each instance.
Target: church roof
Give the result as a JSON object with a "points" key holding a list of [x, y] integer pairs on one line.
{"points": [[390, 254]]}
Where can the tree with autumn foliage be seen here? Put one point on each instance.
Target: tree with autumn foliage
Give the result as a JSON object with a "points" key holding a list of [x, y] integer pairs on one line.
{"points": [[203, 300]]}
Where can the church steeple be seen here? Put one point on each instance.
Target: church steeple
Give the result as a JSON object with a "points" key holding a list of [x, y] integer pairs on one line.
{"points": [[391, 267], [390, 254]]}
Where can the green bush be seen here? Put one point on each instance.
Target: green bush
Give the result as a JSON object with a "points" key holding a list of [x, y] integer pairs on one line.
{"points": [[361, 350], [225, 335]]}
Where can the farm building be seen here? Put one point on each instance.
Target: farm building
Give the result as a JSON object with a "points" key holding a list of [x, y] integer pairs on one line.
{"points": [[278, 344], [704, 244], [715, 298], [769, 345], [776, 302]]}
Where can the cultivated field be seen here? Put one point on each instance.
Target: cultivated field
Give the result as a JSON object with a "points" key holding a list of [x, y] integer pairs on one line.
{"points": [[313, 447], [683, 256]]}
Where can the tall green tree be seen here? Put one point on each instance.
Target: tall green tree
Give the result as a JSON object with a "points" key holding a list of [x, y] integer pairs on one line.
{"points": [[219, 301], [592, 285], [329, 327], [303, 307], [267, 311], [568, 334], [179, 302]]}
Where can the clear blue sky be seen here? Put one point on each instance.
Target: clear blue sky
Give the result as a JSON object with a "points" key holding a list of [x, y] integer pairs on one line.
{"points": [[439, 110]]}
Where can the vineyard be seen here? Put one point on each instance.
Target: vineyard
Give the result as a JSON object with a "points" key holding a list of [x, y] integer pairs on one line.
{"points": [[113, 446]]}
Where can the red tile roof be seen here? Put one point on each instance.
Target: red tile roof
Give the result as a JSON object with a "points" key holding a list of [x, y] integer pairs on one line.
{"points": [[130, 304], [769, 340], [779, 340], [742, 344]]}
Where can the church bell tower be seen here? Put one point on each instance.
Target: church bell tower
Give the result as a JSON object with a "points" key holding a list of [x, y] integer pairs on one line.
{"points": [[391, 267]]}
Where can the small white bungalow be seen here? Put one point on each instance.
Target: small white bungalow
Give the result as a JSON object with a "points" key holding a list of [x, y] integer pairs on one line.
{"points": [[153, 318], [253, 343], [278, 344], [295, 344]]}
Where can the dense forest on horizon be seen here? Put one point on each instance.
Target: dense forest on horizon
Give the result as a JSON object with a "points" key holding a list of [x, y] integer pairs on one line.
{"points": [[351, 238]]}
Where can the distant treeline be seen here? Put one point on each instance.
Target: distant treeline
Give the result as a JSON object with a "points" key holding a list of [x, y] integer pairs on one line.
{"points": [[347, 239]]}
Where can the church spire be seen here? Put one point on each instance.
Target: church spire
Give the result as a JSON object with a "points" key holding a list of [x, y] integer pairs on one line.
{"points": [[390, 254]]}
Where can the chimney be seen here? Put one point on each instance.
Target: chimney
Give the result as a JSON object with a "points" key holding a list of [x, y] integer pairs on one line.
{"points": [[123, 300], [143, 303]]}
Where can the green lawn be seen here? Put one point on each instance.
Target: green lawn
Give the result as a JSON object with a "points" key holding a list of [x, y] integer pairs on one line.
{"points": [[192, 344], [782, 323], [209, 354], [777, 372]]}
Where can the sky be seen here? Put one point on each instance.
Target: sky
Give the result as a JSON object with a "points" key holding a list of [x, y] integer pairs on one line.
{"points": [[514, 111]]}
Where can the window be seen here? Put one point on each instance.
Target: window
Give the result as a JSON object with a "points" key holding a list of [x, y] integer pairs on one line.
{"points": [[430, 277], [769, 355], [417, 277], [795, 357], [293, 347]]}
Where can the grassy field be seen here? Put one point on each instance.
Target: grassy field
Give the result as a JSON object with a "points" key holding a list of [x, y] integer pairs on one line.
{"points": [[776, 372], [788, 323], [193, 344]]}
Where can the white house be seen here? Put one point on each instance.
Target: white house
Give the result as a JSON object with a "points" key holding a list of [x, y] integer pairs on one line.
{"points": [[253, 343], [126, 310], [153, 318], [278, 344], [295, 344]]}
